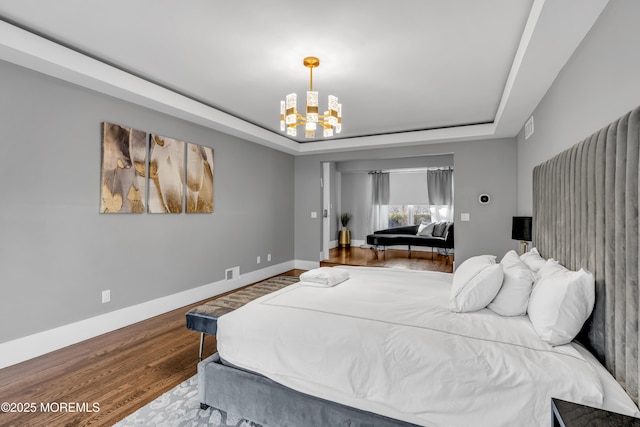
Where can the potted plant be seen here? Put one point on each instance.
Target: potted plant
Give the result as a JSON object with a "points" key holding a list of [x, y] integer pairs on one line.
{"points": [[345, 218], [344, 239]]}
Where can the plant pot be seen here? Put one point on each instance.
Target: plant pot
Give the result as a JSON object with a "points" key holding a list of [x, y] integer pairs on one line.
{"points": [[344, 238]]}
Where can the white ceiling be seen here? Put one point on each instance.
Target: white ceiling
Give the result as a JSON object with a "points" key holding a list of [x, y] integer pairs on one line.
{"points": [[406, 72]]}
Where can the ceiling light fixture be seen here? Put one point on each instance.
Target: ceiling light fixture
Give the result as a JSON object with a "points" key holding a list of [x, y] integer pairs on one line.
{"points": [[290, 119]]}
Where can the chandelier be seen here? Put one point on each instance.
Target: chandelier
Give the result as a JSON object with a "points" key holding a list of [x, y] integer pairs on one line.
{"points": [[290, 119]]}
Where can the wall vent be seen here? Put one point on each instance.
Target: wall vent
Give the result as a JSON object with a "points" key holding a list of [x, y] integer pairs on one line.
{"points": [[232, 273], [528, 128]]}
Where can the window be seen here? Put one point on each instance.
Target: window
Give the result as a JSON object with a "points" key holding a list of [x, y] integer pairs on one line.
{"points": [[402, 215], [409, 196]]}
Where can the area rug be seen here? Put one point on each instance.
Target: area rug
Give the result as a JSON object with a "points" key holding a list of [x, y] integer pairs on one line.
{"points": [[180, 407]]}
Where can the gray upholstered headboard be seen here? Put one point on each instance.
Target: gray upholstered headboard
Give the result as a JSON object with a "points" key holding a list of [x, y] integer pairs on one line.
{"points": [[586, 215]]}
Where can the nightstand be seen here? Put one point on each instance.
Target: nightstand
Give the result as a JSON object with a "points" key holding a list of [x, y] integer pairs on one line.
{"points": [[567, 414]]}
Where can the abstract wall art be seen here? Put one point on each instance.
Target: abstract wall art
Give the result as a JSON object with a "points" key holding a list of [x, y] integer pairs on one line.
{"points": [[124, 169], [141, 174], [199, 197], [166, 174]]}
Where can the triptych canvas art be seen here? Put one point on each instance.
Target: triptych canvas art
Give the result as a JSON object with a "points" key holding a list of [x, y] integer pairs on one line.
{"points": [[164, 176]]}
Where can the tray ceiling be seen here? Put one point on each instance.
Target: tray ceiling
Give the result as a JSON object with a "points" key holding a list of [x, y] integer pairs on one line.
{"points": [[406, 72]]}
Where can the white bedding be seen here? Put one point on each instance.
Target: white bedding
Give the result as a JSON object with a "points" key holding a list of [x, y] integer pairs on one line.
{"points": [[385, 341]]}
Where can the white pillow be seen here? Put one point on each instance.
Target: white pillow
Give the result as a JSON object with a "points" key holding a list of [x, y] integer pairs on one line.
{"points": [[475, 283], [560, 303], [551, 267], [513, 297], [426, 228], [511, 259], [533, 259]]}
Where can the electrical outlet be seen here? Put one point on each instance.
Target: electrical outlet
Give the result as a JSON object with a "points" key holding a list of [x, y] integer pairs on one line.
{"points": [[106, 296], [268, 257], [258, 260]]}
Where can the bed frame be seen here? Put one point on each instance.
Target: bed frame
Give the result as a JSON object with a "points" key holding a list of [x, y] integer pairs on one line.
{"points": [[585, 216], [264, 401]]}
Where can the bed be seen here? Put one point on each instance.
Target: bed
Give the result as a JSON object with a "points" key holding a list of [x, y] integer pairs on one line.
{"points": [[385, 348], [386, 342]]}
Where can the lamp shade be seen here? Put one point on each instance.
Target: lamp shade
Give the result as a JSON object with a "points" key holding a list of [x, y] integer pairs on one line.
{"points": [[521, 228]]}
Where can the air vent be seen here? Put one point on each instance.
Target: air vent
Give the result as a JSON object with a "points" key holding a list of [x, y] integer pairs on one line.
{"points": [[232, 273], [528, 128]]}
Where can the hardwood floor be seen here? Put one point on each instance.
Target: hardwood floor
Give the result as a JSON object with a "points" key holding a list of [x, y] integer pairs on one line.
{"points": [[125, 369], [120, 371], [420, 260]]}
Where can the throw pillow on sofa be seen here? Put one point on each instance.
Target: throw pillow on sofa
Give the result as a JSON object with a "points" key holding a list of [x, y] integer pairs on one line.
{"points": [[426, 228], [439, 229], [447, 229]]}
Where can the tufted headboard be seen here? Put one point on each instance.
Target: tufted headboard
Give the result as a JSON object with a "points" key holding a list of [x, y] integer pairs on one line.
{"points": [[585, 214]]}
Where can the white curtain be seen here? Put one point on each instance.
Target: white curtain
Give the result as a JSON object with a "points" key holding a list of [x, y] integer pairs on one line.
{"points": [[440, 194], [379, 210]]}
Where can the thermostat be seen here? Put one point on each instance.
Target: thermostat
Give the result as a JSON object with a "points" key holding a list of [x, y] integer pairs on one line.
{"points": [[484, 199]]}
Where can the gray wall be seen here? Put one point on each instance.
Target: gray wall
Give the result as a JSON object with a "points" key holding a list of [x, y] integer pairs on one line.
{"points": [[355, 199], [366, 165], [57, 253], [599, 84], [335, 209], [487, 166]]}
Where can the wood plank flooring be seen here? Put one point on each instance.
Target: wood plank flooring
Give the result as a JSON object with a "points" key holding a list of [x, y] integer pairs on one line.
{"points": [[125, 369], [121, 371], [420, 260]]}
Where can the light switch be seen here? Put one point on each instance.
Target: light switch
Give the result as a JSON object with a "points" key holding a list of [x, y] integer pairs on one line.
{"points": [[465, 217], [314, 214]]}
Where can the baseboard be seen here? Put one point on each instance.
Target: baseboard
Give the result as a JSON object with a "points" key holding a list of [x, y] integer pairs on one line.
{"points": [[25, 348], [306, 265]]}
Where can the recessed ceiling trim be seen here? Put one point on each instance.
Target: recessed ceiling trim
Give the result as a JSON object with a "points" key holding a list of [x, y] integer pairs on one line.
{"points": [[546, 45], [28, 50], [529, 28], [431, 136]]}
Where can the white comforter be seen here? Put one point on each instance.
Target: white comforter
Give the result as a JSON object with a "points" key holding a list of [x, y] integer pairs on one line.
{"points": [[384, 341]]}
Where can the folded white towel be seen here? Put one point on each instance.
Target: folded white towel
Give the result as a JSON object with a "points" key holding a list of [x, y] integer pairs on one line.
{"points": [[324, 277], [314, 285]]}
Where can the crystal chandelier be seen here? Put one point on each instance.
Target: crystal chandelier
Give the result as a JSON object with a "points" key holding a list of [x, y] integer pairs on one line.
{"points": [[290, 119]]}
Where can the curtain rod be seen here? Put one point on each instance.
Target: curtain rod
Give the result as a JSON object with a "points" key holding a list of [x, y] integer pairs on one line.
{"points": [[412, 170]]}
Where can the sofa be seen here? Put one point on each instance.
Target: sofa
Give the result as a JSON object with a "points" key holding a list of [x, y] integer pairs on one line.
{"points": [[434, 235]]}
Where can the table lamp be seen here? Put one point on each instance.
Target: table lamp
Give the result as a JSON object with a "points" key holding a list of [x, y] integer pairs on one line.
{"points": [[521, 230]]}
